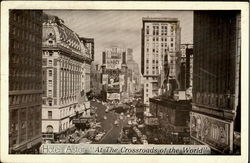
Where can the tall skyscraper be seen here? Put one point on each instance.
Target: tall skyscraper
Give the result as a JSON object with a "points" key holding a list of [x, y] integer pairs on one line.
{"points": [[160, 40], [216, 79], [25, 80]]}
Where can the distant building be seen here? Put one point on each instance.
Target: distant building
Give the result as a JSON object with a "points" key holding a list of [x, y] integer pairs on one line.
{"points": [[136, 76], [25, 81], [115, 74], [96, 79], [88, 46], [160, 37], [65, 68], [215, 115], [173, 118]]}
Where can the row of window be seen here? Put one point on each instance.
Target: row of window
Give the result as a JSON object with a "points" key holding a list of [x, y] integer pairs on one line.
{"points": [[23, 99], [25, 35], [32, 20], [25, 85], [156, 30], [20, 60], [26, 48]]}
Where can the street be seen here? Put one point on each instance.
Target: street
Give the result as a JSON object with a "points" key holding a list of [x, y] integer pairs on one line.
{"points": [[112, 131]]}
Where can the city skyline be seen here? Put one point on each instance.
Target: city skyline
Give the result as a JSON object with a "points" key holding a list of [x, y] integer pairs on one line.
{"points": [[111, 28]]}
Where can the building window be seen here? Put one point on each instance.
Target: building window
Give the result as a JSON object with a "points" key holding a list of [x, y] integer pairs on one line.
{"points": [[50, 83], [172, 44], [146, 85], [153, 39], [172, 39], [50, 72], [50, 62], [147, 30], [153, 50], [50, 102], [49, 114], [146, 90], [50, 92]]}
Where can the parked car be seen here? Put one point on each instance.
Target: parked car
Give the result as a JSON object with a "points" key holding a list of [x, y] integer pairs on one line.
{"points": [[144, 142], [105, 117], [116, 122], [134, 140]]}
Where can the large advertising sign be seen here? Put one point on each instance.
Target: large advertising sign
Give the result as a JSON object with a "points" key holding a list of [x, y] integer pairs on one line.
{"points": [[151, 121], [113, 82], [113, 96], [113, 63], [212, 131], [114, 58]]}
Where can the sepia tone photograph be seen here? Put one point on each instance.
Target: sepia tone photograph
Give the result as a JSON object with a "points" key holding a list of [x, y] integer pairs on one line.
{"points": [[124, 82]]}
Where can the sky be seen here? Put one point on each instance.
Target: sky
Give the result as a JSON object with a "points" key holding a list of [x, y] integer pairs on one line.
{"points": [[119, 27]]}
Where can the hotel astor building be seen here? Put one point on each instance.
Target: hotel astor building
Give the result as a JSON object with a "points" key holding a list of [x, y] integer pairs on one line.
{"points": [[65, 57]]}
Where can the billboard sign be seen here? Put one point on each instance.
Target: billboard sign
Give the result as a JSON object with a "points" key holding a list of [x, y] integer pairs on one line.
{"points": [[212, 131], [113, 82], [151, 121], [113, 96], [113, 63]]}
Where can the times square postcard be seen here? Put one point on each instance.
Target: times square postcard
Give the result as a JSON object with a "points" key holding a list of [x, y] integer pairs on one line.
{"points": [[108, 81]]}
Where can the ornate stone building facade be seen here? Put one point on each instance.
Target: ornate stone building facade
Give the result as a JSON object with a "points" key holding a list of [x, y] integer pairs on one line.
{"points": [[64, 73], [25, 80]]}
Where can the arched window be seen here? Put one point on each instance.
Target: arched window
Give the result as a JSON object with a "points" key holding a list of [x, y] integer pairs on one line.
{"points": [[49, 129]]}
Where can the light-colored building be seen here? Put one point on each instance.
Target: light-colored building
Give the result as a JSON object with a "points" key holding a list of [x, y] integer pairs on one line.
{"points": [[115, 74], [25, 81], [64, 72], [136, 75], [160, 37], [88, 46]]}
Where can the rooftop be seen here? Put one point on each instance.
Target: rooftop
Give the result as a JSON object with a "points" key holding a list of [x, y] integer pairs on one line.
{"points": [[159, 19]]}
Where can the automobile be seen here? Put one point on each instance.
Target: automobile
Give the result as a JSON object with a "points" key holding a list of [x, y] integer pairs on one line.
{"points": [[116, 122], [144, 137], [144, 142], [141, 125], [134, 123], [121, 117], [129, 122], [122, 113], [128, 116], [104, 117], [134, 140], [106, 110]]}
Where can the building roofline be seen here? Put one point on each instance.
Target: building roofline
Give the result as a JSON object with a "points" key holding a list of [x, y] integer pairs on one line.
{"points": [[159, 19]]}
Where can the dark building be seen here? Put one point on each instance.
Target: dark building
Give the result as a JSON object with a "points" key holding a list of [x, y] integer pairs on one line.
{"points": [[216, 79], [173, 118], [25, 80]]}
